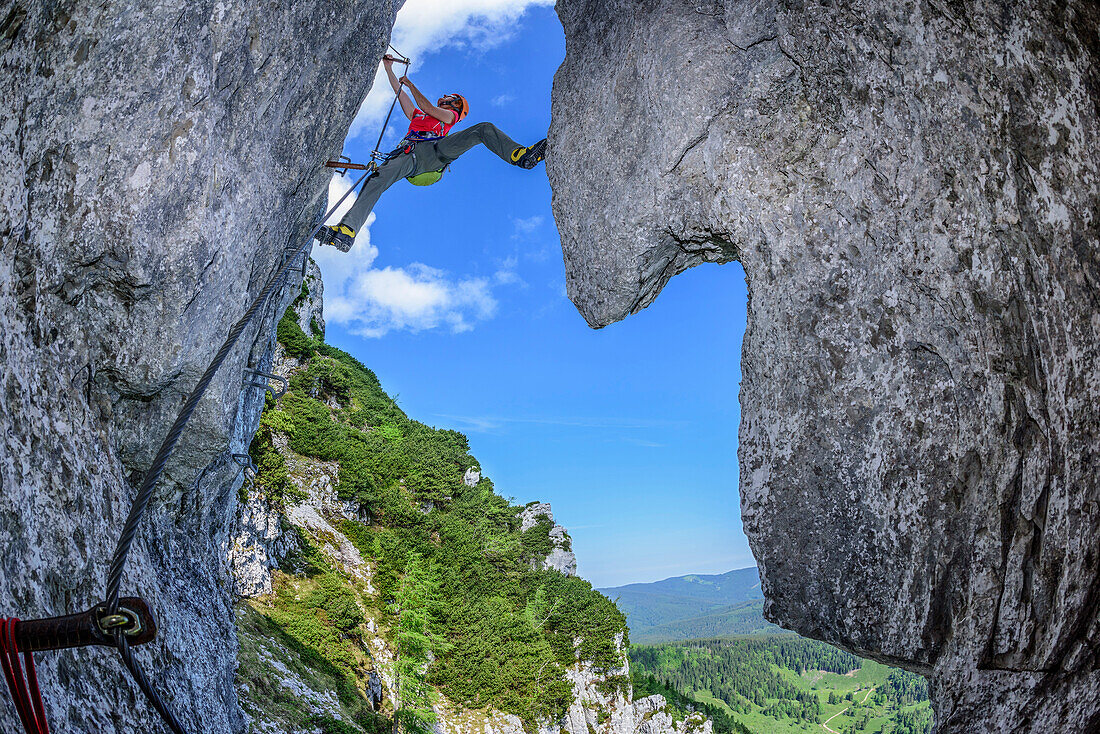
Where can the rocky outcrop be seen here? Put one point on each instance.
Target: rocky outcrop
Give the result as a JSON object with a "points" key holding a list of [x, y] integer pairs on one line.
{"points": [[260, 542], [560, 557], [309, 516], [311, 310], [156, 159], [602, 704], [912, 189]]}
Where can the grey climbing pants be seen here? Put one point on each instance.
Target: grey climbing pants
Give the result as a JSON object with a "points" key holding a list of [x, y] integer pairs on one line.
{"points": [[431, 155]]}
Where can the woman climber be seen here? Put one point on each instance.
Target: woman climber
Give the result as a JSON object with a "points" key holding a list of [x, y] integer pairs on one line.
{"points": [[426, 149]]}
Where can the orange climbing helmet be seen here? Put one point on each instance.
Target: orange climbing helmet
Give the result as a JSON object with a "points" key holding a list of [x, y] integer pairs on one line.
{"points": [[459, 104]]}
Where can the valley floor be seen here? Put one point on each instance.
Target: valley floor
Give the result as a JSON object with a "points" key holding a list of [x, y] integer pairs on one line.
{"points": [[777, 684]]}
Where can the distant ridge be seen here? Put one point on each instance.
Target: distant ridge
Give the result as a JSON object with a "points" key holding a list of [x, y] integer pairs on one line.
{"points": [[695, 605]]}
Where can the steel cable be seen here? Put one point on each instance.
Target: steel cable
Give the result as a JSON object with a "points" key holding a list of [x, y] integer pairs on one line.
{"points": [[145, 493], [143, 683], [149, 482]]}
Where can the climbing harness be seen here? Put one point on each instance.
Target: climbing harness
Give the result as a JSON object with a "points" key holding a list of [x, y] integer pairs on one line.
{"points": [[414, 138]]}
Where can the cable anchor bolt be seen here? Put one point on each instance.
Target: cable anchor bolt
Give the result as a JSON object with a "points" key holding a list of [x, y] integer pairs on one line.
{"points": [[123, 621], [259, 378], [244, 461]]}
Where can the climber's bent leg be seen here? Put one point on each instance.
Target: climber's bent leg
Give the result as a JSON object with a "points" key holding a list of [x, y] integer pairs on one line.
{"points": [[387, 175], [342, 235], [485, 133]]}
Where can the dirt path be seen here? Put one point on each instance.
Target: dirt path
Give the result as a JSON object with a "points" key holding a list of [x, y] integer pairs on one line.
{"points": [[825, 724]]}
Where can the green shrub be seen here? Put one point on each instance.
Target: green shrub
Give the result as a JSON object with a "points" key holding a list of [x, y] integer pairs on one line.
{"points": [[291, 336], [613, 684], [536, 539], [329, 725], [337, 600], [272, 478]]}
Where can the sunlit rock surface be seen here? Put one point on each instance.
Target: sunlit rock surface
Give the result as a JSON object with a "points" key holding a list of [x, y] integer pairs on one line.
{"points": [[311, 311], [155, 161], [561, 557], [912, 189]]}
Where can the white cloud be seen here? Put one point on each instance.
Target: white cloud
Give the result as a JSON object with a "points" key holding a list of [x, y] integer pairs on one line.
{"points": [[415, 298], [338, 186], [372, 301], [526, 226], [503, 100], [337, 268], [507, 273], [426, 26]]}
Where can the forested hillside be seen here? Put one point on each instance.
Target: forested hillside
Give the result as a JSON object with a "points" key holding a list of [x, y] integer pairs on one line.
{"points": [[780, 684], [442, 595], [693, 606], [745, 618]]}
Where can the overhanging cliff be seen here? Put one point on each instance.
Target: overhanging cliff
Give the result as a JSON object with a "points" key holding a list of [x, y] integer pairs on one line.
{"points": [[912, 190], [156, 161]]}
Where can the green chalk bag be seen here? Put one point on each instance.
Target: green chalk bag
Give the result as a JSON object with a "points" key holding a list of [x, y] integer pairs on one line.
{"points": [[425, 179]]}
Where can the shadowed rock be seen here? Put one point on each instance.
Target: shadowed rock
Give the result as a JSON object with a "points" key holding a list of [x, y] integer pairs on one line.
{"points": [[155, 161]]}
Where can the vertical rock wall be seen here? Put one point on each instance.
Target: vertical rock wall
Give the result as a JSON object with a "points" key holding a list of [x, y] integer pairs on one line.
{"points": [[912, 188], [155, 161]]}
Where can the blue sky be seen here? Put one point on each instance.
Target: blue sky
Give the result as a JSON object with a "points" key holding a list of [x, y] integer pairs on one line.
{"points": [[455, 296]]}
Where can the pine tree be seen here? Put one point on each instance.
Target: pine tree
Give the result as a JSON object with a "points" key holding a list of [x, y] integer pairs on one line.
{"points": [[416, 607]]}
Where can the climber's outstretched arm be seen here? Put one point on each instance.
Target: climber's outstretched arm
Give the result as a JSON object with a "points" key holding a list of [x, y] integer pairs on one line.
{"points": [[440, 113], [406, 104]]}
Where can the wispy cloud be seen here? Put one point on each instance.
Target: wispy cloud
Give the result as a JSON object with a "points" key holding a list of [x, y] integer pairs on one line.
{"points": [[525, 226], [425, 27], [508, 273], [503, 100], [646, 444]]}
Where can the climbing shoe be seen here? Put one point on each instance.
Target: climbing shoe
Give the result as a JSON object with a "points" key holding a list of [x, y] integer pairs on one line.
{"points": [[342, 237], [529, 157]]}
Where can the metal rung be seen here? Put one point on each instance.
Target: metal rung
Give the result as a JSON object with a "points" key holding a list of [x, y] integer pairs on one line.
{"points": [[302, 268], [258, 378], [244, 461], [344, 165]]}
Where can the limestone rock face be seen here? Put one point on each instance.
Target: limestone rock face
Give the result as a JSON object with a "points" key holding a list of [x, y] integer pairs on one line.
{"points": [[912, 189], [258, 545], [561, 557], [596, 709], [311, 311], [156, 159]]}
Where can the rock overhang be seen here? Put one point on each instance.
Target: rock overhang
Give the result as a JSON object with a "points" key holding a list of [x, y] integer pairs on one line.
{"points": [[909, 191]]}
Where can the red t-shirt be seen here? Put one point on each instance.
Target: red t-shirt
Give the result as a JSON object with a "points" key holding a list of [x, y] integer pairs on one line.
{"points": [[426, 127]]}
